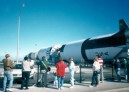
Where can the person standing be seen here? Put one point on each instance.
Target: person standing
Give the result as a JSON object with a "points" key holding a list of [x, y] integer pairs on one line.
{"points": [[125, 68], [26, 69], [71, 71], [96, 69], [113, 67], [55, 79], [8, 68], [44, 70], [60, 71], [100, 60], [117, 67], [57, 56]]}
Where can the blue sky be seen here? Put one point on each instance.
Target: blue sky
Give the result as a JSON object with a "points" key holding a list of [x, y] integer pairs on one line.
{"points": [[45, 23]]}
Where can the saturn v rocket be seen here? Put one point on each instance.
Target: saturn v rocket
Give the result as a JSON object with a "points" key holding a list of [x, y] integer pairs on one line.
{"points": [[109, 46]]}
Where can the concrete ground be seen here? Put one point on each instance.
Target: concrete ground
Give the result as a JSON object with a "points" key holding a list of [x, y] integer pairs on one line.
{"points": [[107, 86]]}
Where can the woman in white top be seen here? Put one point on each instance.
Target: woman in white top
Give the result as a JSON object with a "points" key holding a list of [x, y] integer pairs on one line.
{"points": [[71, 71], [96, 69]]}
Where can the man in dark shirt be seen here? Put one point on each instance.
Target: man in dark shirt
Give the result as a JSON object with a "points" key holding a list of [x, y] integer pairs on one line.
{"points": [[8, 65], [117, 66], [127, 69], [43, 70]]}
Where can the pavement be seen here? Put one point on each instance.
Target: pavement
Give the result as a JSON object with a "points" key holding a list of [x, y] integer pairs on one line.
{"points": [[106, 86]]}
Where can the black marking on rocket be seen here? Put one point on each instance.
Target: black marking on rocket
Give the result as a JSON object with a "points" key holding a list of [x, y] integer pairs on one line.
{"points": [[62, 48], [83, 48], [115, 40]]}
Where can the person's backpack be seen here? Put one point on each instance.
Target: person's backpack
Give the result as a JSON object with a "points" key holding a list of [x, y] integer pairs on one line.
{"points": [[47, 67]]}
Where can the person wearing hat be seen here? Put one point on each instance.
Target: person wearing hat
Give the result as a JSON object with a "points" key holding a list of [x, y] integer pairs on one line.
{"points": [[8, 68]]}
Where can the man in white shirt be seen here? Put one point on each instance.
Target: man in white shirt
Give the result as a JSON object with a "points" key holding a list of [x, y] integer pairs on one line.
{"points": [[26, 72]]}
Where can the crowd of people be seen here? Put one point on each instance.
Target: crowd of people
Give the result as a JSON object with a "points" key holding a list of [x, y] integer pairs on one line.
{"points": [[97, 77], [44, 68]]}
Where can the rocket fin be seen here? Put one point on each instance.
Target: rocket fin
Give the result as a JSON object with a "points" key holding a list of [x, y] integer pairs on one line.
{"points": [[122, 25]]}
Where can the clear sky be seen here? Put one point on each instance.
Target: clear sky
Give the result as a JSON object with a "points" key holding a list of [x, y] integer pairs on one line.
{"points": [[45, 23]]}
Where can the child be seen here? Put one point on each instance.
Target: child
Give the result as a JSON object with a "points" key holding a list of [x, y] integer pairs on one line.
{"points": [[55, 83]]}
